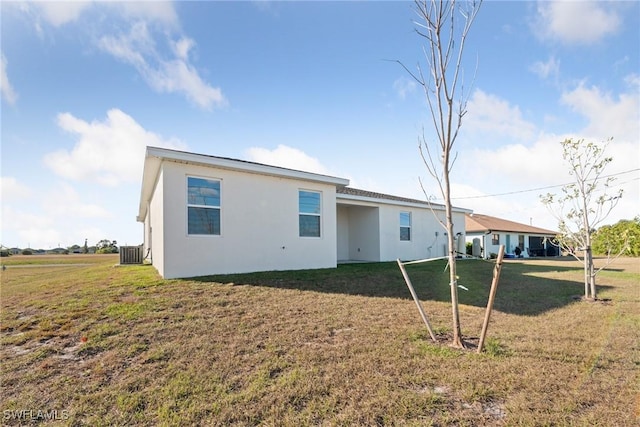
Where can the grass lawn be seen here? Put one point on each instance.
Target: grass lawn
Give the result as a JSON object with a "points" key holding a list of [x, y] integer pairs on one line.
{"points": [[92, 344]]}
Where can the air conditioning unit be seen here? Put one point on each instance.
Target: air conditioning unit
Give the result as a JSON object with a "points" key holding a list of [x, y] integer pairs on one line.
{"points": [[131, 254]]}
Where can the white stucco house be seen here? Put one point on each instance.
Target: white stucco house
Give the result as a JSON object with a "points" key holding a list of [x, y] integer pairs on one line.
{"points": [[491, 232], [207, 215]]}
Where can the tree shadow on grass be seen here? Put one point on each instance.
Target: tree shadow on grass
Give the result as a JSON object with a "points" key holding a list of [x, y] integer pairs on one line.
{"points": [[567, 259], [524, 288]]}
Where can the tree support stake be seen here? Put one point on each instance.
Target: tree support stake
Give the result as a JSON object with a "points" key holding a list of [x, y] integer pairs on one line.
{"points": [[415, 298], [492, 297]]}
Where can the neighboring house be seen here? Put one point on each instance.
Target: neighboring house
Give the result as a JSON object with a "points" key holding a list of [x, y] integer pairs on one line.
{"points": [[208, 215], [58, 251], [492, 232]]}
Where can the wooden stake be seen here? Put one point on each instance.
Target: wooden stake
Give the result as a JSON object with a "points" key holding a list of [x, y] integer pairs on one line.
{"points": [[415, 298], [492, 297]]}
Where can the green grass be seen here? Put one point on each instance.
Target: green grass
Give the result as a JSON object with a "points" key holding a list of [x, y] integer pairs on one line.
{"points": [[120, 346]]}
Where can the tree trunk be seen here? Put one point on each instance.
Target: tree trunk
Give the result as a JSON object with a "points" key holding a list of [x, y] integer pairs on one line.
{"points": [[453, 275], [592, 274], [585, 261], [589, 277]]}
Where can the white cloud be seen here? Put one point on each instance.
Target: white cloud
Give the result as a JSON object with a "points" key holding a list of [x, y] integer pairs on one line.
{"points": [[544, 70], [576, 22], [11, 189], [53, 214], [404, 86], [31, 229], [131, 48], [109, 152], [518, 174], [170, 72], [182, 48], [633, 80], [8, 93], [489, 113], [65, 201], [286, 157], [58, 13], [157, 11], [515, 165], [540, 164], [23, 229], [519, 208], [608, 117], [177, 74], [57, 215]]}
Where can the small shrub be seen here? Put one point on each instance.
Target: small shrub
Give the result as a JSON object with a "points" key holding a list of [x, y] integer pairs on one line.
{"points": [[27, 252]]}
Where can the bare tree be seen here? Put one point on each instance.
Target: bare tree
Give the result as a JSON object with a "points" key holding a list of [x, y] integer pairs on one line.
{"points": [[583, 204], [444, 26]]}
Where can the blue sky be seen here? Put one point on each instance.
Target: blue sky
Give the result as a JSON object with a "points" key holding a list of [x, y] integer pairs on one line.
{"points": [[307, 85]]}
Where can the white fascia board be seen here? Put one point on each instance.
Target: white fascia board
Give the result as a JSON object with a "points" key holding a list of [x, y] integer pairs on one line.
{"points": [[149, 177], [243, 166], [350, 199], [462, 210]]}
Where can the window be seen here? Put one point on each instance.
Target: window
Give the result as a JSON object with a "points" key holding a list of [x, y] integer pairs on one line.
{"points": [[203, 206], [495, 239], [309, 213], [405, 225]]}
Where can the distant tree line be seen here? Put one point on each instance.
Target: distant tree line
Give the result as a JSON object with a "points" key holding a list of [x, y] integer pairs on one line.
{"points": [[624, 236], [104, 246]]}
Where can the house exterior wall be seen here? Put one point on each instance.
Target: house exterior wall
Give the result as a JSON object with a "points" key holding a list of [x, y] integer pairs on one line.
{"points": [[427, 235], [358, 232], [259, 225], [154, 225], [364, 240], [342, 232]]}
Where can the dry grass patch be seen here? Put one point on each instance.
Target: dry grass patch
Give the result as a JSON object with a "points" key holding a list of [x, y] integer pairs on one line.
{"points": [[119, 346]]}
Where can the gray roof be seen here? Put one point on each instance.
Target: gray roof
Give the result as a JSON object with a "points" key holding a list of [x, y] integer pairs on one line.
{"points": [[373, 195], [478, 223]]}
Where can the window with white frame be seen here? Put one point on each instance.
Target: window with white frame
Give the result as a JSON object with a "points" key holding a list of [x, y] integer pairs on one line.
{"points": [[203, 206], [405, 226], [309, 213], [495, 239]]}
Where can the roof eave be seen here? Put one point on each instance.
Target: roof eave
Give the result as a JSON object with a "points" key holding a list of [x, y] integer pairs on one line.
{"points": [[149, 175], [154, 157], [379, 200], [243, 166]]}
